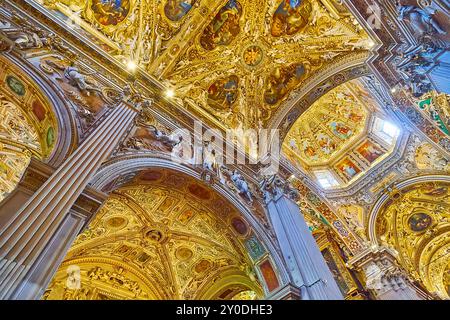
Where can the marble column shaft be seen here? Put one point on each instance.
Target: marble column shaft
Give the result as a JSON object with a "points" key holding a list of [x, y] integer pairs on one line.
{"points": [[305, 262], [27, 235]]}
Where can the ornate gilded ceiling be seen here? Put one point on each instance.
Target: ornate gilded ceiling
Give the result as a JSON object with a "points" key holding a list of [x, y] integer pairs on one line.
{"points": [[416, 224], [232, 62], [166, 236], [338, 135]]}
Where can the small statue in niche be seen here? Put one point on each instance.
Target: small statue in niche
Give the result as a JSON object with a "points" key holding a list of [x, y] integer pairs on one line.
{"points": [[241, 185], [419, 19], [209, 156], [77, 79]]}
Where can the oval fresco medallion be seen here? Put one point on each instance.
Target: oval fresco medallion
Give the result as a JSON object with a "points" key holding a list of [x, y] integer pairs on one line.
{"points": [[419, 222]]}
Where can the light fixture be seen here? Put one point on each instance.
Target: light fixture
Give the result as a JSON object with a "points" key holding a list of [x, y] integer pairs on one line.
{"points": [[394, 90], [131, 65], [371, 44], [170, 93]]}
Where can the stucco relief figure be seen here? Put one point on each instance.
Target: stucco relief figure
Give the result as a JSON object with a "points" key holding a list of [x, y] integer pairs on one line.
{"points": [[419, 19]]}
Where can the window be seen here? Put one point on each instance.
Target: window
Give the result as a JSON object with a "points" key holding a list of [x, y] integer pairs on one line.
{"points": [[386, 130], [326, 179]]}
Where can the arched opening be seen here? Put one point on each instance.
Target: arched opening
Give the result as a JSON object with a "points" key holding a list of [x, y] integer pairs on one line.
{"points": [[28, 125], [165, 235], [413, 221]]}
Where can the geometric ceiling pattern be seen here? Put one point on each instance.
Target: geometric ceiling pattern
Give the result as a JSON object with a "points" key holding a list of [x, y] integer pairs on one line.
{"points": [[163, 236], [232, 62], [415, 223]]}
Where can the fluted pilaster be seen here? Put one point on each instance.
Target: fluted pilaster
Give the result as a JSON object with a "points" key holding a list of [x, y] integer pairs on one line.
{"points": [[305, 262], [25, 239]]}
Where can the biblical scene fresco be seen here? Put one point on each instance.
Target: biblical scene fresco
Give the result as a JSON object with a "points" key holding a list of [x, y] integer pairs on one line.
{"points": [[224, 27], [291, 17], [175, 10], [281, 81], [223, 92], [269, 275], [348, 168], [110, 12], [370, 151]]}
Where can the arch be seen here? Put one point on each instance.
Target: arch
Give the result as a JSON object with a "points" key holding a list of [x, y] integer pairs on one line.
{"points": [[379, 204], [67, 137], [231, 281], [86, 265], [126, 165], [346, 68], [412, 219]]}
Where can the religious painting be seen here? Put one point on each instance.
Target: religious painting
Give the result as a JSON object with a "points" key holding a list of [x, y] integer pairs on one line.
{"points": [[150, 175], [16, 85], [224, 27], [110, 12], [239, 226], [291, 17], [281, 81], [175, 10], [167, 204], [349, 110], [348, 168], [326, 144], [340, 130], [419, 222], [50, 137], [38, 110], [370, 151], [186, 215], [200, 192], [269, 275], [223, 92], [183, 254], [329, 259], [255, 248], [309, 150], [202, 266]]}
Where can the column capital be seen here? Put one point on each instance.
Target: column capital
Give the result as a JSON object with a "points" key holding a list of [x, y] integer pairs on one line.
{"points": [[288, 292], [274, 187], [384, 276]]}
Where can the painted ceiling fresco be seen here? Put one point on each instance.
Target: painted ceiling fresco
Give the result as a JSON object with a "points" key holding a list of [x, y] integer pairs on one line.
{"points": [[234, 62], [336, 134], [168, 237], [415, 223]]}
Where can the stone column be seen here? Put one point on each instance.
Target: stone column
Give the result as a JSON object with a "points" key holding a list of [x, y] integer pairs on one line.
{"points": [[44, 227], [383, 277], [308, 269]]}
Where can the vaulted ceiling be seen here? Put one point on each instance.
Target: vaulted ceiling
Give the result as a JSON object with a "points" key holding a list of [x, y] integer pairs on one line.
{"points": [[165, 236], [232, 62]]}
